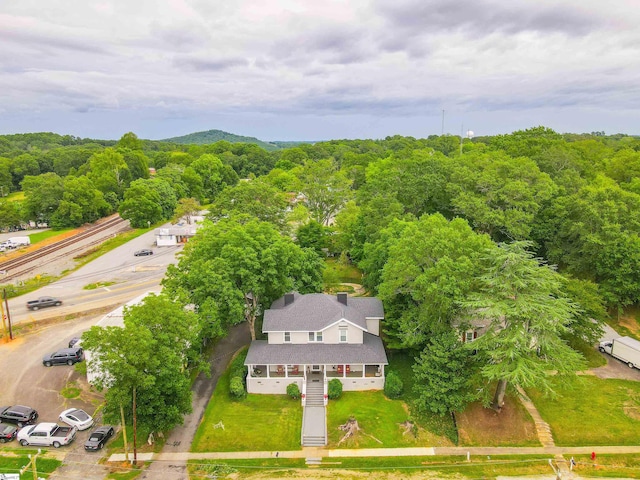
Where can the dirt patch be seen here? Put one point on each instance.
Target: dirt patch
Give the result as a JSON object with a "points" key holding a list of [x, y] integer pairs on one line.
{"points": [[479, 426]]}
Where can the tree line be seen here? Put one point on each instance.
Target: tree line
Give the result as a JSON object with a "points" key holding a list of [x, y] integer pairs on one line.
{"points": [[531, 237]]}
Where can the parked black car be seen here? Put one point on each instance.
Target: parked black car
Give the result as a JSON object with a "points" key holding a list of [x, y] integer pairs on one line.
{"points": [[65, 356], [143, 252], [7, 432], [99, 437], [73, 341], [18, 415]]}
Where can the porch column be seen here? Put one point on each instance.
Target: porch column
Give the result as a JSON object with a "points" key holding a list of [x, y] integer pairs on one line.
{"points": [[268, 376], [286, 371], [344, 371], [364, 370]]}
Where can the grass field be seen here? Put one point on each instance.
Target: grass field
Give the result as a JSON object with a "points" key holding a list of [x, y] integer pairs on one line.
{"points": [[379, 418], [13, 462], [259, 422], [47, 234], [435, 467], [336, 274], [593, 411]]}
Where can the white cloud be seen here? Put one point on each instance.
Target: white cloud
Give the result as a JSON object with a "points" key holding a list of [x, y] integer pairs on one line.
{"points": [[303, 62]]}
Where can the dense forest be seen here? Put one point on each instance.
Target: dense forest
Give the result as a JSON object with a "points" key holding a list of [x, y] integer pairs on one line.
{"points": [[534, 231]]}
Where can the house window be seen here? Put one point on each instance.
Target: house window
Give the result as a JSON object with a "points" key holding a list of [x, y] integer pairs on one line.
{"points": [[315, 336], [468, 337], [287, 337], [343, 335]]}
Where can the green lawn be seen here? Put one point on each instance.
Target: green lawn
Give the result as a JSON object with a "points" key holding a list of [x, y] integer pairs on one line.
{"points": [[259, 422], [13, 462], [378, 417], [40, 236], [337, 273], [402, 363], [408, 467], [593, 411]]}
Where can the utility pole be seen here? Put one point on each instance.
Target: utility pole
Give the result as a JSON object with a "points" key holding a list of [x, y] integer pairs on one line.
{"points": [[5, 331], [6, 303], [32, 464]]}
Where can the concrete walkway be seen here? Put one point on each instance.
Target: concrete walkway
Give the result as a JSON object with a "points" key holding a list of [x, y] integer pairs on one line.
{"points": [[542, 428], [388, 452]]}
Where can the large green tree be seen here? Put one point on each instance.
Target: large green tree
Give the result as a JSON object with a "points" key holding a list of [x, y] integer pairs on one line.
{"points": [[498, 194], [142, 203], [444, 373], [81, 203], [253, 197], [43, 195], [430, 268], [527, 314], [109, 172], [326, 189], [145, 366], [236, 268], [595, 234]]}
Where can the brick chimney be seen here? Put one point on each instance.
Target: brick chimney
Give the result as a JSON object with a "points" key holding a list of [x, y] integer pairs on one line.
{"points": [[342, 298]]}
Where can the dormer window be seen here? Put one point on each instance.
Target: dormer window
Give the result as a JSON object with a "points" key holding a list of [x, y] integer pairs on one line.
{"points": [[315, 336], [343, 335], [287, 337]]}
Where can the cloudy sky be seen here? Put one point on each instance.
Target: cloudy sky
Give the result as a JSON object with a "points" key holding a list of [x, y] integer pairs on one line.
{"points": [[318, 69]]}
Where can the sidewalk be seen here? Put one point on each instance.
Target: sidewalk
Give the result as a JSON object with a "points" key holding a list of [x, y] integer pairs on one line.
{"points": [[386, 452]]}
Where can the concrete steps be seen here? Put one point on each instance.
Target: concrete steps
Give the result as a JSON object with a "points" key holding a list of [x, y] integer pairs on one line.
{"points": [[312, 441], [314, 418]]}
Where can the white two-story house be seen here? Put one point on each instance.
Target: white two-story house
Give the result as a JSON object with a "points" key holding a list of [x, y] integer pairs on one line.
{"points": [[320, 337]]}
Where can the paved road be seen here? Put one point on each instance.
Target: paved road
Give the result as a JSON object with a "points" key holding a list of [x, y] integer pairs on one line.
{"points": [[130, 275]]}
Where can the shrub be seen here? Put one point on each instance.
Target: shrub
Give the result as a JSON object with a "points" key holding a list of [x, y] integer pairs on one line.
{"points": [[293, 391], [236, 388], [335, 389], [238, 368], [393, 385]]}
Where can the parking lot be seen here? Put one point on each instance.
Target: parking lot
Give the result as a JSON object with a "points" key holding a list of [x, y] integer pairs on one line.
{"points": [[26, 381]]}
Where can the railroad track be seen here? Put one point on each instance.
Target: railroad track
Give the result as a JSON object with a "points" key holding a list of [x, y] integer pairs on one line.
{"points": [[27, 262]]}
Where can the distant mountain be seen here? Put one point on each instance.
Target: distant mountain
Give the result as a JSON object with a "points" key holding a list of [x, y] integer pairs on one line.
{"points": [[213, 136]]}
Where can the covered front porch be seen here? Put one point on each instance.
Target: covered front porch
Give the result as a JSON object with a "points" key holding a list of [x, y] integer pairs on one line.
{"points": [[274, 378], [330, 371], [272, 367]]}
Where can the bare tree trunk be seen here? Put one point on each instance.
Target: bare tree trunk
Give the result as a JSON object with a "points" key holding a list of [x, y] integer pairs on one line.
{"points": [[135, 433], [250, 313], [124, 433], [498, 398]]}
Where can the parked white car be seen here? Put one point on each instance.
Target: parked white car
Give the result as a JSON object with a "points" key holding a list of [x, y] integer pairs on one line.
{"points": [[77, 418]]}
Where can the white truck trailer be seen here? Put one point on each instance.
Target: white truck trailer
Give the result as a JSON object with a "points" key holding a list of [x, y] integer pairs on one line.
{"points": [[623, 348], [20, 241]]}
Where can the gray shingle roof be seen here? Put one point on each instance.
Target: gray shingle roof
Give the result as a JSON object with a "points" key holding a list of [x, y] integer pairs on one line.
{"points": [[370, 351], [316, 311]]}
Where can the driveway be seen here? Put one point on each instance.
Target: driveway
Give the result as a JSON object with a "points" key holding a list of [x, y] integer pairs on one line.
{"points": [[181, 437], [614, 367]]}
